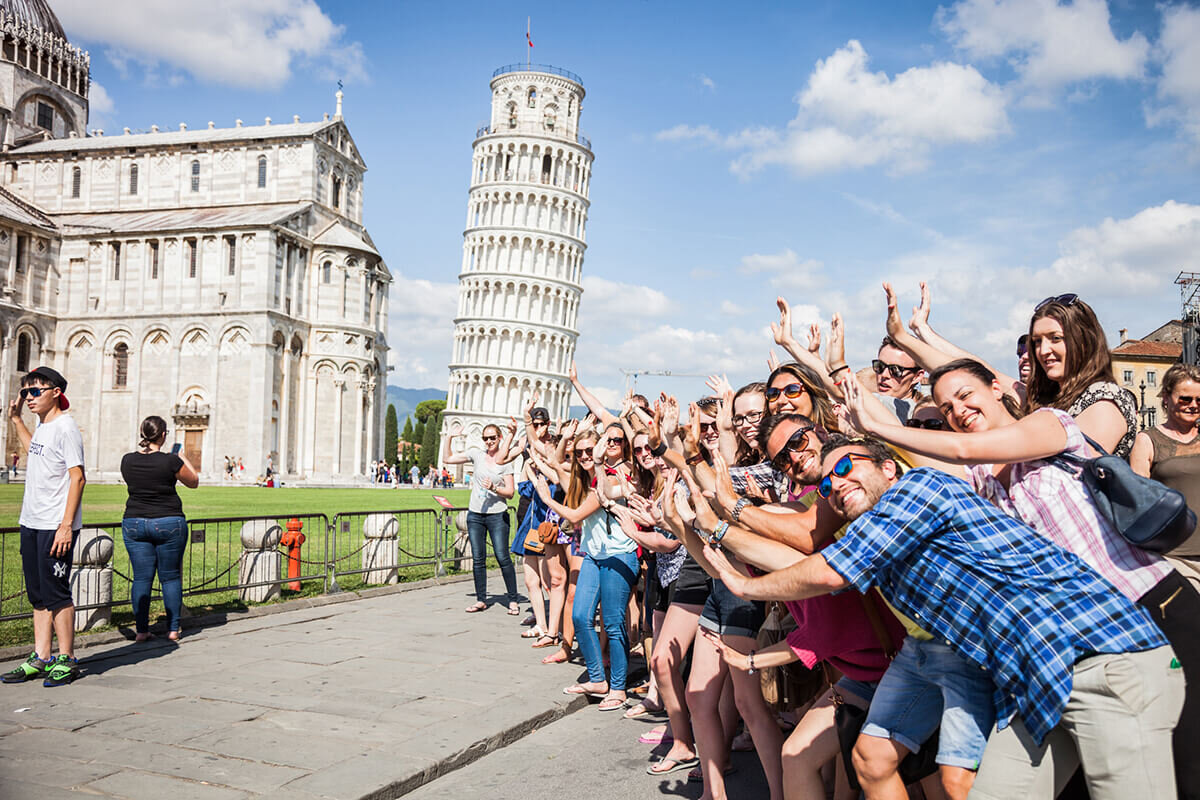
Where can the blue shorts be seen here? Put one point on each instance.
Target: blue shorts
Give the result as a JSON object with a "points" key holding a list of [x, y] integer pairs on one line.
{"points": [[928, 684], [47, 578]]}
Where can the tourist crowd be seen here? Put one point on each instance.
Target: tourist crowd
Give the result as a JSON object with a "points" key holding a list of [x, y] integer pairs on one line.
{"points": [[923, 578]]}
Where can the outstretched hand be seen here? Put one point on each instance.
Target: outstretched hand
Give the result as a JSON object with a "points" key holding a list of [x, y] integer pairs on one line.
{"points": [[835, 354], [895, 326], [733, 579], [920, 315], [726, 495], [782, 331]]}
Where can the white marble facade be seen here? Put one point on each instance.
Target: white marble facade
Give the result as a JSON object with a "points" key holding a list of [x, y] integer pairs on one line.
{"points": [[218, 277], [519, 284]]}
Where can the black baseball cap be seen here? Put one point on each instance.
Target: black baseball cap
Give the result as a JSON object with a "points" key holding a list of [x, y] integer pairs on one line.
{"points": [[55, 379], [539, 414]]}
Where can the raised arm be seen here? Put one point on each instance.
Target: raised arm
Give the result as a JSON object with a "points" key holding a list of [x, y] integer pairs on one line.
{"points": [[506, 452], [782, 332], [594, 405], [449, 457]]}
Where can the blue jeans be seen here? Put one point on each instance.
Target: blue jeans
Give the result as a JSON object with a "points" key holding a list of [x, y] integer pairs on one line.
{"points": [[480, 528], [155, 545], [607, 582]]}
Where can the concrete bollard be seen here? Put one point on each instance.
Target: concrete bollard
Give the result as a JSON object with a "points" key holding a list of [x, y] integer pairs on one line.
{"points": [[260, 560], [91, 578], [462, 543], [380, 553]]}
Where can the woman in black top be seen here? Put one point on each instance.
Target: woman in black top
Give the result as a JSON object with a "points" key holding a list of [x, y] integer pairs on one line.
{"points": [[154, 528]]}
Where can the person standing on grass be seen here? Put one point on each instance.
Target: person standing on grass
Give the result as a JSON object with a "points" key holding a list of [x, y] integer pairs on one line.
{"points": [[154, 528], [51, 516]]}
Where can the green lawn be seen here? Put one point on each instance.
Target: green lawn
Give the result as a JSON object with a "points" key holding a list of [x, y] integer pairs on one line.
{"points": [[210, 563]]}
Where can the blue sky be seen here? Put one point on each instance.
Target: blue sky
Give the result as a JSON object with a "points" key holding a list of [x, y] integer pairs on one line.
{"points": [[1003, 150]]}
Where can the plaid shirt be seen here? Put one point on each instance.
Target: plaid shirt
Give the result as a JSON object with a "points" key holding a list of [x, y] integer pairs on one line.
{"points": [[762, 473], [1002, 596]]}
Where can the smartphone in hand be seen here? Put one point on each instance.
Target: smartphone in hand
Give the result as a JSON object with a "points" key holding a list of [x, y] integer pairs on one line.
{"points": [[175, 448]]}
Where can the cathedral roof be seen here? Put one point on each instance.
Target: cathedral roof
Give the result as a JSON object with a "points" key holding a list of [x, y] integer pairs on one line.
{"points": [[19, 211], [36, 13], [180, 219], [338, 235], [171, 138]]}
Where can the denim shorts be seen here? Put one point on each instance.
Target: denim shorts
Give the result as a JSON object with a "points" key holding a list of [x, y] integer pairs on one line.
{"points": [[727, 614], [928, 684]]}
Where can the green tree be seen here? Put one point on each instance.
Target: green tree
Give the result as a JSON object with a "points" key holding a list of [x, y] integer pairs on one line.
{"points": [[389, 435], [428, 408], [418, 433], [407, 436], [429, 443]]}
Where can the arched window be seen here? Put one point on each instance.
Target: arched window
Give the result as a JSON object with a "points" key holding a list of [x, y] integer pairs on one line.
{"points": [[133, 172], [327, 272], [120, 366], [512, 115], [547, 165], [337, 192], [532, 97], [195, 176], [262, 172], [23, 352], [76, 181]]}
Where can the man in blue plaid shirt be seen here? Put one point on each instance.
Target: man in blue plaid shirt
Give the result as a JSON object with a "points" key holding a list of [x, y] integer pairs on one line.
{"points": [[1082, 673]]}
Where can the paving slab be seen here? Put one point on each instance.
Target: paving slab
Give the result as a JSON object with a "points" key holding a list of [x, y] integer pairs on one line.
{"points": [[369, 698]]}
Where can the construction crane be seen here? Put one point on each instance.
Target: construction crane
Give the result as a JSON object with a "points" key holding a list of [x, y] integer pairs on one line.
{"points": [[631, 375], [1189, 315]]}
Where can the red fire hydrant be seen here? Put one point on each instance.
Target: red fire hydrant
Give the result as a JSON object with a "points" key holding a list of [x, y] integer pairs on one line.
{"points": [[292, 541]]}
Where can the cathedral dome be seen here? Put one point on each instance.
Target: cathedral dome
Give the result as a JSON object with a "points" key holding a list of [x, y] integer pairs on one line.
{"points": [[36, 13]]}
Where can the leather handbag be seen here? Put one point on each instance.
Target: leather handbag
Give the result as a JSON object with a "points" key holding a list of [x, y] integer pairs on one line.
{"points": [[849, 719], [533, 543], [547, 532], [1146, 513]]}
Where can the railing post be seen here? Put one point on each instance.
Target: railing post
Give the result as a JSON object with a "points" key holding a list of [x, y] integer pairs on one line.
{"points": [[380, 555], [91, 578], [442, 540], [260, 561]]}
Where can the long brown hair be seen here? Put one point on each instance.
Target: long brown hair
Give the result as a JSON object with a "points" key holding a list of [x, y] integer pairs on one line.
{"points": [[646, 480], [749, 454], [1088, 357], [822, 412], [581, 479]]}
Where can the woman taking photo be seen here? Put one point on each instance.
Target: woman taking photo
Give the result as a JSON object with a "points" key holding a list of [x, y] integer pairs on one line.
{"points": [[1170, 453], [487, 516], [154, 528]]}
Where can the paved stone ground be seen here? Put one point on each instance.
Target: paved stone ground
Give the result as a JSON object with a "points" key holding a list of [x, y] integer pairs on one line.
{"points": [[369, 698]]}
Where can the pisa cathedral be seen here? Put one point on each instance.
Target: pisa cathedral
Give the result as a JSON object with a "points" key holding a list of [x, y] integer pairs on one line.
{"points": [[218, 277], [519, 284]]}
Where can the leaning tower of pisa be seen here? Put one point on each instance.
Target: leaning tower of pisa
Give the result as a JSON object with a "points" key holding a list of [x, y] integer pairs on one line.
{"points": [[519, 286]]}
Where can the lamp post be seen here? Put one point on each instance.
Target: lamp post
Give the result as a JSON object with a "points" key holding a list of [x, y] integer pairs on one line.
{"points": [[1142, 404]]}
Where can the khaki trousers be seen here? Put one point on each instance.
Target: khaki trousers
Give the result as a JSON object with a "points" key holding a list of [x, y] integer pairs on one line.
{"points": [[1117, 723]]}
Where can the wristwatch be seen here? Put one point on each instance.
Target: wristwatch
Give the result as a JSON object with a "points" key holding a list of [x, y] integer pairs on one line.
{"points": [[736, 514], [714, 538]]}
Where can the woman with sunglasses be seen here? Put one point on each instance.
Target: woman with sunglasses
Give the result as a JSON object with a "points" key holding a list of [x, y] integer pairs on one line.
{"points": [[1170, 453], [606, 577], [1011, 462], [793, 388], [487, 516], [1072, 371]]}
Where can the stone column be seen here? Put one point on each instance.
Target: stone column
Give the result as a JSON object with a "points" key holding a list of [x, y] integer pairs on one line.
{"points": [[360, 386], [285, 398], [338, 384], [259, 561], [373, 425], [91, 578], [10, 278], [380, 553]]}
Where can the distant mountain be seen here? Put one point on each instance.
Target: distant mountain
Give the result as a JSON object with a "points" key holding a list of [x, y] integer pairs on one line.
{"points": [[405, 400]]}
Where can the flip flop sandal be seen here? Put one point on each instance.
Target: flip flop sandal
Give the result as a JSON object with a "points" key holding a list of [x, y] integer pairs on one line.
{"points": [[611, 704], [578, 689], [656, 737], [676, 764], [642, 709], [532, 633], [514, 610], [550, 641], [475, 609]]}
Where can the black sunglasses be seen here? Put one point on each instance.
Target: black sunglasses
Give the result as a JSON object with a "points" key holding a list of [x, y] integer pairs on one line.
{"points": [[1186, 400], [491, 438], [791, 392], [1062, 300], [927, 424], [796, 442], [581, 452], [896, 370]]}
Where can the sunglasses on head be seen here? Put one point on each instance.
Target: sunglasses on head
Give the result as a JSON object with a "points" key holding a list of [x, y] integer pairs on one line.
{"points": [[843, 467], [927, 424], [753, 418], [791, 392], [35, 391], [1062, 300], [896, 370], [796, 442]]}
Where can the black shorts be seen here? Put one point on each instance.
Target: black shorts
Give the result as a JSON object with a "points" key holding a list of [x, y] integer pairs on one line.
{"points": [[726, 613], [47, 579], [693, 584], [663, 595]]}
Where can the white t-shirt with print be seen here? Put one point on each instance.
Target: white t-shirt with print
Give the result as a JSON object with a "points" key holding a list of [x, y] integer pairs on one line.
{"points": [[55, 448], [485, 501]]}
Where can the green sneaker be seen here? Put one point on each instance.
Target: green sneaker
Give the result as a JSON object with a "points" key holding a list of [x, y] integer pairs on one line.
{"points": [[33, 667], [61, 671]]}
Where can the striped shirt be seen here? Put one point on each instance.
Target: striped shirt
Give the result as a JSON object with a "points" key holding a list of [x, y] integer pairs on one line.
{"points": [[1006, 599], [1048, 496]]}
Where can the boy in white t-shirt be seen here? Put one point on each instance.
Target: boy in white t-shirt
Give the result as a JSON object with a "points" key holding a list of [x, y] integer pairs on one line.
{"points": [[51, 516]]}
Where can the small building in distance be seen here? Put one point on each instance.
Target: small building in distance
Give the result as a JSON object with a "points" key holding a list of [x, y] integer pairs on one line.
{"points": [[1139, 365]]}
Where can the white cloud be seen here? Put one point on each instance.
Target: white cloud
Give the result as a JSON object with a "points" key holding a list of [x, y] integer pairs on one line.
{"points": [[421, 330], [245, 43], [708, 83], [850, 117], [1050, 44], [732, 309], [101, 107], [605, 300], [1179, 84], [784, 270]]}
